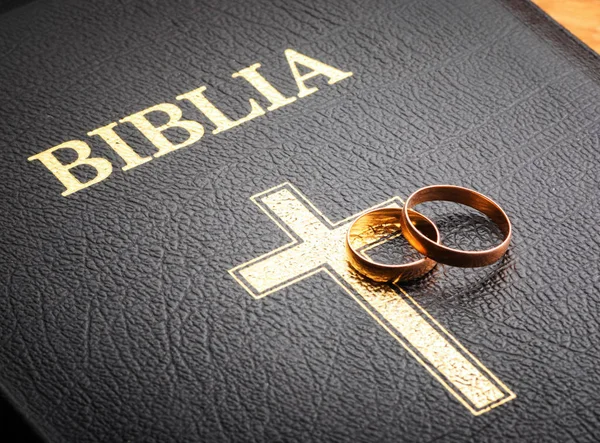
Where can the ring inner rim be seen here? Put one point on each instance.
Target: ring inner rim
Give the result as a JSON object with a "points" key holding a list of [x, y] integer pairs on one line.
{"points": [[368, 259]]}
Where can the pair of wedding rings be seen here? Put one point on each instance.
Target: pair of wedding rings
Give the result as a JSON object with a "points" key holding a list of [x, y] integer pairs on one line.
{"points": [[423, 235]]}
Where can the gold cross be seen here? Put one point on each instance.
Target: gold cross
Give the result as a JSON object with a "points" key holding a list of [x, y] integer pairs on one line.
{"points": [[317, 245]]}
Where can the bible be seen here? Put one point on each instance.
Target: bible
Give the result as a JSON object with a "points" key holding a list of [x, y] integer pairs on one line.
{"points": [[178, 181]]}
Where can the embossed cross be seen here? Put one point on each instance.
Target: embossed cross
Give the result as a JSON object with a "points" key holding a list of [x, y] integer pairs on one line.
{"points": [[317, 245]]}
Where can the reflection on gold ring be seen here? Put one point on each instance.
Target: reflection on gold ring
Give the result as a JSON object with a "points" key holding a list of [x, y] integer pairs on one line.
{"points": [[376, 223]]}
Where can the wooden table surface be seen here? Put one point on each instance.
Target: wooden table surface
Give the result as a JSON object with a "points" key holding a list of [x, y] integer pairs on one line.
{"points": [[580, 17]]}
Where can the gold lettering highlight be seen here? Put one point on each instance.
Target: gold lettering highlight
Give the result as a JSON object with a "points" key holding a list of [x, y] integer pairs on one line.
{"points": [[221, 121], [317, 68], [261, 84], [63, 172], [155, 134], [131, 158], [317, 246], [195, 131]]}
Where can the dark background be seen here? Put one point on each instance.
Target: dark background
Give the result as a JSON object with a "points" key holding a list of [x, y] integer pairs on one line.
{"points": [[14, 426]]}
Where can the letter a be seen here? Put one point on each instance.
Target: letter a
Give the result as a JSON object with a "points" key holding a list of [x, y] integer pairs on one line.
{"points": [[317, 68]]}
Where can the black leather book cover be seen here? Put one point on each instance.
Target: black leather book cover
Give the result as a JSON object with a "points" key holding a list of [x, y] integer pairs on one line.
{"points": [[177, 178]]}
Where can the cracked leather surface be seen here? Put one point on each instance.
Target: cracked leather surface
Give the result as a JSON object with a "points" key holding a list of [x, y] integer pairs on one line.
{"points": [[118, 319]]}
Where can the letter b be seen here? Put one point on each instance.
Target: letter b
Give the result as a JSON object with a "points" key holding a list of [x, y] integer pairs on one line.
{"points": [[63, 172]]}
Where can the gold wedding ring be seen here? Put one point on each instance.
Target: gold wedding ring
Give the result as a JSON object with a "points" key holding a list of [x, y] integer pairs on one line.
{"points": [[365, 229], [423, 235], [443, 254]]}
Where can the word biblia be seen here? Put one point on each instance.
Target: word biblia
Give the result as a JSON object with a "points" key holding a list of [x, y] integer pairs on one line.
{"points": [[193, 129]]}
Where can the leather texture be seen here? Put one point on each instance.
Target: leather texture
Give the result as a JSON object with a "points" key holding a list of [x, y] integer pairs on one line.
{"points": [[118, 319]]}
